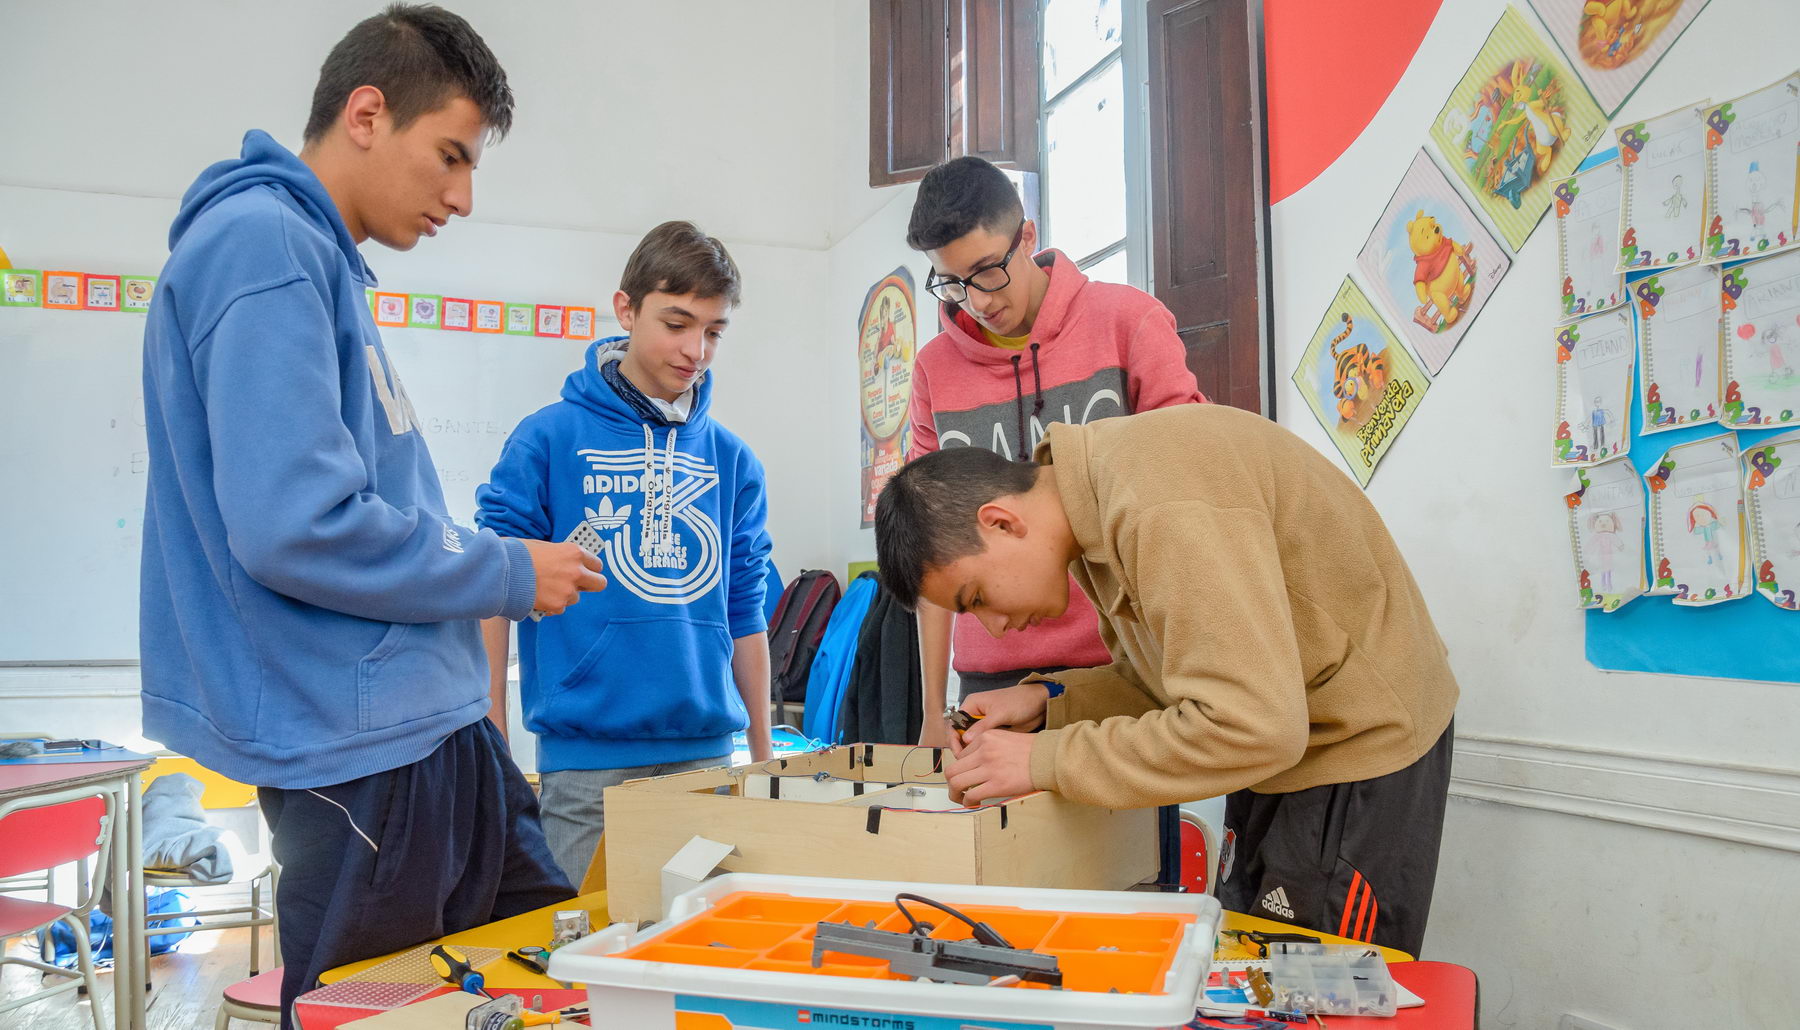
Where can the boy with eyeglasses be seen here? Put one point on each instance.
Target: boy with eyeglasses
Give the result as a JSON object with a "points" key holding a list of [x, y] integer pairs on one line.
{"points": [[1027, 341]]}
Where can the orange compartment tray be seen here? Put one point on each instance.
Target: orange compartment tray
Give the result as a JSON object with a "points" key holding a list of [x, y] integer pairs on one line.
{"points": [[1097, 952]]}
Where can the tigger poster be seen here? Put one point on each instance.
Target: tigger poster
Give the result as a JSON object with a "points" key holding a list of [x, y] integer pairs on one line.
{"points": [[887, 338], [1431, 262], [1515, 124], [1360, 383], [1613, 44]]}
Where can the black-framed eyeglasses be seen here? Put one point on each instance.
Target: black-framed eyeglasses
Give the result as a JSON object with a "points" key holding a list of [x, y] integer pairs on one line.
{"points": [[991, 279]]}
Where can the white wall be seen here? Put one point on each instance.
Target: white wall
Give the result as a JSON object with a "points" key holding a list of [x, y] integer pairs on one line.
{"points": [[1561, 912]]}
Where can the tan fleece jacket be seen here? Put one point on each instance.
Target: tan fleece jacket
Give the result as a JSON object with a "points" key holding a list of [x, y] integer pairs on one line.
{"points": [[1265, 631]]}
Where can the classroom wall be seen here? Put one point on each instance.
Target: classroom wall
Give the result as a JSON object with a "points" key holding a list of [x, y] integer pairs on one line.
{"points": [[621, 123], [1618, 845]]}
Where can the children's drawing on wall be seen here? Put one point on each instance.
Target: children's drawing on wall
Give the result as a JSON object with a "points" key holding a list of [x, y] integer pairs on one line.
{"points": [[1587, 240], [19, 287], [1677, 316], [1772, 515], [1594, 359], [62, 289], [1664, 165], [1516, 123], [1360, 383], [1697, 540], [1761, 301], [1752, 189], [1606, 531], [1613, 44], [1431, 262], [887, 336]]}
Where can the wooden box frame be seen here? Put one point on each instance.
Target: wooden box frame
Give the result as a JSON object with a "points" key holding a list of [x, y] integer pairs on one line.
{"points": [[1036, 840]]}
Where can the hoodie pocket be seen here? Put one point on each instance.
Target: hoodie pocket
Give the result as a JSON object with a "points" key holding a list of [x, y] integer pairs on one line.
{"points": [[650, 679], [417, 671]]}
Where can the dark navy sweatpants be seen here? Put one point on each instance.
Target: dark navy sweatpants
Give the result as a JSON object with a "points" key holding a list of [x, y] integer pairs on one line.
{"points": [[405, 856]]}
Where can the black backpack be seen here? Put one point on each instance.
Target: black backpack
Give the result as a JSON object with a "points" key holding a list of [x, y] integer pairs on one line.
{"points": [[794, 634]]}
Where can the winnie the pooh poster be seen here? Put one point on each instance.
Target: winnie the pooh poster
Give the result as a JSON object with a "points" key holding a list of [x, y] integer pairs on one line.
{"points": [[1431, 262]]}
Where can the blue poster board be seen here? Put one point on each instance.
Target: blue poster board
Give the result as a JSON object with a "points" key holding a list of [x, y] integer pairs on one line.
{"points": [[1747, 639]]}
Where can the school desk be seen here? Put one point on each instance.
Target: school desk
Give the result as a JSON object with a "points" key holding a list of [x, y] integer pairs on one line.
{"points": [[118, 779], [1449, 990], [1241, 921], [502, 975]]}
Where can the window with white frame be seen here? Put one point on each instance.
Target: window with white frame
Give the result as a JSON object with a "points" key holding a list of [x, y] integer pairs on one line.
{"points": [[1088, 194]]}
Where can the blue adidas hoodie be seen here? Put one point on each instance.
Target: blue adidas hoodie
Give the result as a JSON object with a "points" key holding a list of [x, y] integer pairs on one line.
{"points": [[308, 610], [638, 673]]}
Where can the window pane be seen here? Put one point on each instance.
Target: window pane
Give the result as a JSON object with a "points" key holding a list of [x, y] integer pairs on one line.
{"points": [[1085, 166], [1108, 270], [1077, 34]]}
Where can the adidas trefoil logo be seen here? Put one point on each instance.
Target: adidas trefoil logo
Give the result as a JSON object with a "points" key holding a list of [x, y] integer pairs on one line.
{"points": [[1276, 901], [606, 516]]}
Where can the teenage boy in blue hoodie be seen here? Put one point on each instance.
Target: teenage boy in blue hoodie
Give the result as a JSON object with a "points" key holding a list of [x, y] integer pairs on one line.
{"points": [[654, 675], [310, 615]]}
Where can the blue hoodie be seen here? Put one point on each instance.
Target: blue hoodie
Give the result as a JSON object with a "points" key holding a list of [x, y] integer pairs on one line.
{"points": [[639, 673], [308, 610]]}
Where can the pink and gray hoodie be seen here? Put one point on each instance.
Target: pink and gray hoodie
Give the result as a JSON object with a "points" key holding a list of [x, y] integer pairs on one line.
{"points": [[1097, 350]]}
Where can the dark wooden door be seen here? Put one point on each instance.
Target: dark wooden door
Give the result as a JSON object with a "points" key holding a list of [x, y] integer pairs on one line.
{"points": [[909, 81], [949, 78], [1208, 190]]}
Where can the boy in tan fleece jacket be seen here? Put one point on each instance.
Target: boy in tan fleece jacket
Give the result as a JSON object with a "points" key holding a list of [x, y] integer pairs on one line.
{"points": [[1269, 644]]}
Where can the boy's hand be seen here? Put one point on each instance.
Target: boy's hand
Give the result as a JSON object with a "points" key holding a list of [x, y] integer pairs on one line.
{"points": [[1009, 708], [934, 731], [997, 765], [563, 572]]}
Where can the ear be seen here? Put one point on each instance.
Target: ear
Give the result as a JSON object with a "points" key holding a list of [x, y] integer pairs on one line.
{"points": [[622, 309], [1002, 515], [1028, 239], [364, 110]]}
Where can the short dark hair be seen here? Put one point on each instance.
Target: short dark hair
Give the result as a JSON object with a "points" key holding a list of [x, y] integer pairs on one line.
{"points": [[926, 517], [421, 57], [676, 257], [958, 197]]}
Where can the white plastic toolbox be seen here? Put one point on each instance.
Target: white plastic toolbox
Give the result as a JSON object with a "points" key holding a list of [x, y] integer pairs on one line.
{"points": [[664, 995]]}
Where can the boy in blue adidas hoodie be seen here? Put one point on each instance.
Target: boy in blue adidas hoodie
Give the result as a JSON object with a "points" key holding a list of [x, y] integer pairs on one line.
{"points": [[309, 614], [653, 675]]}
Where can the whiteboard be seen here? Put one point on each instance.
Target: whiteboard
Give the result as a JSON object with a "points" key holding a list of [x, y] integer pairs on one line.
{"points": [[72, 444]]}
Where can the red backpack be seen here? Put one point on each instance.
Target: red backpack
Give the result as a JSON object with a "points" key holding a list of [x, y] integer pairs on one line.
{"points": [[794, 633]]}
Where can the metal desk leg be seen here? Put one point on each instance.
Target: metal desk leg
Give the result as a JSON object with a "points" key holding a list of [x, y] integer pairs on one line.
{"points": [[124, 952], [134, 935]]}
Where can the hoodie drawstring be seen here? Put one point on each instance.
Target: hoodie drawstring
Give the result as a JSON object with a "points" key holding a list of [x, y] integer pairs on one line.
{"points": [[657, 533], [1037, 397]]}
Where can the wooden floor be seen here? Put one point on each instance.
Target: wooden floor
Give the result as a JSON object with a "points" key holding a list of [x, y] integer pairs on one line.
{"points": [[184, 994]]}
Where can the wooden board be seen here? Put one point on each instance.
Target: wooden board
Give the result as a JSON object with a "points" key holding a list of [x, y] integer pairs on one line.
{"points": [[1038, 840]]}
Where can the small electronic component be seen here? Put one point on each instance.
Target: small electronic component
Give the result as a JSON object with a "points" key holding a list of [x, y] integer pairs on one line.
{"points": [[986, 959]]}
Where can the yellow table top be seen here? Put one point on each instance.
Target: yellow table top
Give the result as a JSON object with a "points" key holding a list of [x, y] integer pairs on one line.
{"points": [[527, 928], [1240, 921], [534, 927]]}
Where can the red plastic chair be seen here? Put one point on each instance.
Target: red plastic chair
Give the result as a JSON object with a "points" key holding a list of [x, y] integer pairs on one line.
{"points": [[1199, 854], [43, 832]]}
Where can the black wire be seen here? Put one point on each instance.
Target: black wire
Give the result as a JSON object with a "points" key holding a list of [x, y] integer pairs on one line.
{"points": [[983, 933]]}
